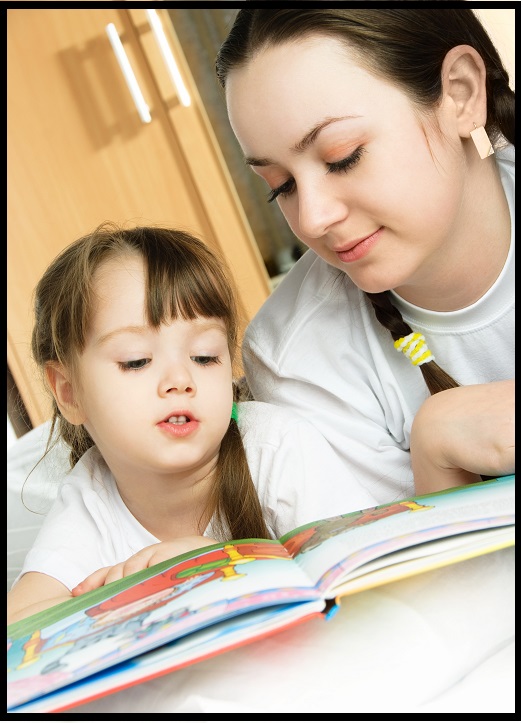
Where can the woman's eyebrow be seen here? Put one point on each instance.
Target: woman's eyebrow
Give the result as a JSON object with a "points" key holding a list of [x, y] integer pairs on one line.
{"points": [[307, 140]]}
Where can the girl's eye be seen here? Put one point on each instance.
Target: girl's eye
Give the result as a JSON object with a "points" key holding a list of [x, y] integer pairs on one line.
{"points": [[205, 360], [346, 163], [284, 190], [133, 364]]}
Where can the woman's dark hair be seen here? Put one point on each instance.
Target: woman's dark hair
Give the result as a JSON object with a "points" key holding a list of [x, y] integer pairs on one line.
{"points": [[406, 47], [184, 279]]}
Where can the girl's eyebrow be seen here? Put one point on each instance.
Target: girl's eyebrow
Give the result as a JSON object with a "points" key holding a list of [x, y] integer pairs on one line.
{"points": [[200, 326], [307, 140], [132, 329]]}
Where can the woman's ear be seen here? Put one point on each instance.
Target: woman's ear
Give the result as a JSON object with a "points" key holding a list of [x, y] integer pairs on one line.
{"points": [[463, 77], [61, 386]]}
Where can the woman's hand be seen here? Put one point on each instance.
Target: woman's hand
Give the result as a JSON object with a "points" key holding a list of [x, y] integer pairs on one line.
{"points": [[460, 434], [143, 559]]}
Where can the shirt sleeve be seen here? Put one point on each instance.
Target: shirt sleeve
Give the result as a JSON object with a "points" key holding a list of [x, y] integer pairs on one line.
{"points": [[299, 477], [74, 539]]}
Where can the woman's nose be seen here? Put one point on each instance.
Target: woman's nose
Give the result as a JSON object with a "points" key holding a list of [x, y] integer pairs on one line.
{"points": [[319, 209]]}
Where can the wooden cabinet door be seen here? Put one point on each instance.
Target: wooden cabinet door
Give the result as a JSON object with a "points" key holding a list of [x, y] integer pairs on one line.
{"points": [[79, 154]]}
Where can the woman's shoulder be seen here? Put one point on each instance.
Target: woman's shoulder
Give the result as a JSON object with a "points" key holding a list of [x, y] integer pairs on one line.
{"points": [[270, 424], [311, 295], [506, 161], [310, 281]]}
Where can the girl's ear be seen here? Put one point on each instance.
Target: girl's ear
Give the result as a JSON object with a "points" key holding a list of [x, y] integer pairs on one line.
{"points": [[62, 389], [463, 77]]}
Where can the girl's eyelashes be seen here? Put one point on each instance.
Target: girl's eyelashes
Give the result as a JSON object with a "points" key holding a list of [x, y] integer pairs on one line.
{"points": [[136, 364], [335, 167], [206, 360], [133, 364]]}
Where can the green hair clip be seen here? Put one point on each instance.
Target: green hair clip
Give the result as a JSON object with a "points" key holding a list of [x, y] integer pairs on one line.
{"points": [[234, 412]]}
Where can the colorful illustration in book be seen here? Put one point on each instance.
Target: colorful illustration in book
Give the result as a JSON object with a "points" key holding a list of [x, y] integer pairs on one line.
{"points": [[194, 571], [59, 656], [311, 537], [124, 619]]}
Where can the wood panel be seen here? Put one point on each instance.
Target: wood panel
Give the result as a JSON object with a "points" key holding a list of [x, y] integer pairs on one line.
{"points": [[78, 154]]}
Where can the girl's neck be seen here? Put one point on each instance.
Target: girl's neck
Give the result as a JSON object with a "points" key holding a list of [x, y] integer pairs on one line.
{"points": [[169, 510]]}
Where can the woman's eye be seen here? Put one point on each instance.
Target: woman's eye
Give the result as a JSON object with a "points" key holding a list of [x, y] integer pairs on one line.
{"points": [[205, 360], [287, 188], [284, 190], [346, 163], [133, 364]]}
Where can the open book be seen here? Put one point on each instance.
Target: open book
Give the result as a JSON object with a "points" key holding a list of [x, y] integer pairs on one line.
{"points": [[218, 597]]}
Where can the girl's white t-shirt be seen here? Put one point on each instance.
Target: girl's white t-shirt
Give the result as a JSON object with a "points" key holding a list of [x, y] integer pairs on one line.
{"points": [[298, 477]]}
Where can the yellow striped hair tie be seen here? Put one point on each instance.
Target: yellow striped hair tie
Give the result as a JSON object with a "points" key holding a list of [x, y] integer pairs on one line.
{"points": [[414, 347]]}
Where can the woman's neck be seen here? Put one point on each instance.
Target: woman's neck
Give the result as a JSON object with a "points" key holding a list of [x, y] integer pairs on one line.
{"points": [[469, 264]]}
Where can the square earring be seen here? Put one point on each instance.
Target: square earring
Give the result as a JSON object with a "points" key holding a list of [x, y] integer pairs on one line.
{"points": [[481, 141]]}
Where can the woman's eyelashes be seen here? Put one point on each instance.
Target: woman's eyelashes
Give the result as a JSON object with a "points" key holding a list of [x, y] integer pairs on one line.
{"points": [[137, 364], [284, 190], [346, 164]]}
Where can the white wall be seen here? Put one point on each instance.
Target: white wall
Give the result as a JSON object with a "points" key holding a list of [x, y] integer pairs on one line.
{"points": [[501, 26]]}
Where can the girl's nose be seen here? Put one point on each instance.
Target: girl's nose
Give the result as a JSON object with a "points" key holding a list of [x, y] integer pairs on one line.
{"points": [[177, 379]]}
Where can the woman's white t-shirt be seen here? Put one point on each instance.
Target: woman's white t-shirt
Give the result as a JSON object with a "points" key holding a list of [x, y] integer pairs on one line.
{"points": [[316, 347]]}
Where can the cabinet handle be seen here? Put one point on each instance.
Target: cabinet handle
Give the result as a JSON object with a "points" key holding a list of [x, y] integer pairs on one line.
{"points": [[130, 78], [170, 62]]}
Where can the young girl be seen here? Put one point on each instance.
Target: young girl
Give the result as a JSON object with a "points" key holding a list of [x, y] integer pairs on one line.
{"points": [[135, 333], [373, 130]]}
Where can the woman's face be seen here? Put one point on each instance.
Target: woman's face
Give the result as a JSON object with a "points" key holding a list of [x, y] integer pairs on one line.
{"points": [[360, 178]]}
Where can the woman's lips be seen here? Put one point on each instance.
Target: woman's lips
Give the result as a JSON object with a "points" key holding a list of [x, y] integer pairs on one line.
{"points": [[359, 249]]}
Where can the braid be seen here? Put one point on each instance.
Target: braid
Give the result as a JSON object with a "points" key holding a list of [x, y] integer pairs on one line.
{"points": [[501, 106], [388, 315]]}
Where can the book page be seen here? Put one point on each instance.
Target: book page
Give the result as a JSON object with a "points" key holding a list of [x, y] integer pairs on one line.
{"points": [[191, 648], [149, 609], [329, 550], [424, 557]]}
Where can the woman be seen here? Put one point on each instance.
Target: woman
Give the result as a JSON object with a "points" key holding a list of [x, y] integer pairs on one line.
{"points": [[373, 130]]}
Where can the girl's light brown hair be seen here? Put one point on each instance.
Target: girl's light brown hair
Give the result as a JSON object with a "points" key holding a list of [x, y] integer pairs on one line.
{"points": [[184, 279]]}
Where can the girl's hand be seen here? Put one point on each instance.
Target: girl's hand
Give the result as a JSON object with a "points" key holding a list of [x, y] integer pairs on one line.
{"points": [[143, 559], [460, 434]]}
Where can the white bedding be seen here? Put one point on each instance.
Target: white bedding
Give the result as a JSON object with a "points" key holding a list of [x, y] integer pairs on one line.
{"points": [[441, 642]]}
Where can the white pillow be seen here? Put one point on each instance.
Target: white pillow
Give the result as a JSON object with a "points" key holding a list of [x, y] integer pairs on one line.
{"points": [[31, 491]]}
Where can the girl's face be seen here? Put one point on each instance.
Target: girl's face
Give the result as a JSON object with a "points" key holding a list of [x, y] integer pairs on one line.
{"points": [[360, 179], [156, 402]]}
